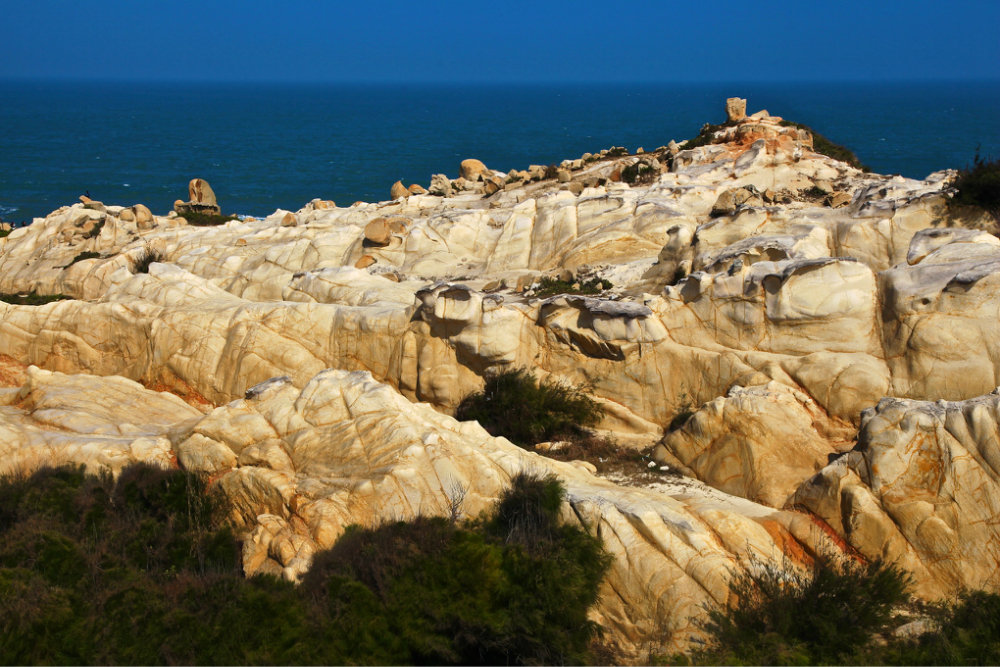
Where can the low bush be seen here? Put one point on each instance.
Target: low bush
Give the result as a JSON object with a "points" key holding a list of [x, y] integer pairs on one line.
{"points": [[978, 185], [95, 231], [553, 286], [513, 404], [820, 616], [842, 611], [550, 172], [825, 146], [207, 219], [705, 135], [140, 264], [32, 299], [639, 174], [87, 254], [144, 570]]}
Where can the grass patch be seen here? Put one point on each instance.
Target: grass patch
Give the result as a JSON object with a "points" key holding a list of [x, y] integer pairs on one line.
{"points": [[552, 286], [5, 232], [207, 219], [825, 146], [978, 185], [144, 570], [33, 299], [513, 404], [82, 256], [148, 256]]}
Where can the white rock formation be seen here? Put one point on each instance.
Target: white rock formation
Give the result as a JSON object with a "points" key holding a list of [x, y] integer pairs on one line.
{"points": [[783, 323]]}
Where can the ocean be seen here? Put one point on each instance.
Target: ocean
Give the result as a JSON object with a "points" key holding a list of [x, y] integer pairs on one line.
{"points": [[264, 147]]}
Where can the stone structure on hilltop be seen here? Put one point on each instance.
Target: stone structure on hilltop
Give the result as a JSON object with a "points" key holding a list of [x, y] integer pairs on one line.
{"points": [[816, 350]]}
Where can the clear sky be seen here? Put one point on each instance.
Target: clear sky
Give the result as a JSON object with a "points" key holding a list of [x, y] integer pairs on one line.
{"points": [[500, 41]]}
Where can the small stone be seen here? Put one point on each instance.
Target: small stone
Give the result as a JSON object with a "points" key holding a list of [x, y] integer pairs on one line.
{"points": [[640, 151], [576, 187], [365, 262], [768, 196], [241, 242], [825, 187], [127, 215], [839, 199], [672, 147], [563, 176], [94, 206], [289, 220], [416, 189]]}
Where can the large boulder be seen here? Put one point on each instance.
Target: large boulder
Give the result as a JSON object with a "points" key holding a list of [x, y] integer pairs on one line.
{"points": [[201, 199], [736, 109], [398, 191], [471, 170], [440, 186]]}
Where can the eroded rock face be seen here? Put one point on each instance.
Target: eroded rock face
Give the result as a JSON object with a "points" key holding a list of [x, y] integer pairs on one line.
{"points": [[920, 489], [781, 321]]}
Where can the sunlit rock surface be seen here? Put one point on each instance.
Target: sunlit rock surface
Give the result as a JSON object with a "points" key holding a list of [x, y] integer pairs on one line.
{"points": [[784, 298]]}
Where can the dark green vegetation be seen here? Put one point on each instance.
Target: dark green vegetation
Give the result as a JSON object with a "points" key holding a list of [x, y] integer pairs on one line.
{"points": [[705, 135], [207, 219], [32, 299], [639, 174], [825, 146], [552, 286], [87, 254], [550, 172], [145, 571], [840, 612], [5, 232], [148, 256], [515, 405], [95, 230], [978, 185]]}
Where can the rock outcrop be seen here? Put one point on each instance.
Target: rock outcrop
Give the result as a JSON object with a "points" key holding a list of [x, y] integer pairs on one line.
{"points": [[201, 197], [823, 364]]}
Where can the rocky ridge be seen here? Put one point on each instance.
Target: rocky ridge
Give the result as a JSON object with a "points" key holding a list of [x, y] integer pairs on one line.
{"points": [[834, 334]]}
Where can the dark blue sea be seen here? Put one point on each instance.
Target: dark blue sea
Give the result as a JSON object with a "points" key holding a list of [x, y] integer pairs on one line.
{"points": [[264, 147]]}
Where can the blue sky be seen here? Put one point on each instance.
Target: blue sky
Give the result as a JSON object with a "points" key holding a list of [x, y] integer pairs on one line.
{"points": [[501, 41]]}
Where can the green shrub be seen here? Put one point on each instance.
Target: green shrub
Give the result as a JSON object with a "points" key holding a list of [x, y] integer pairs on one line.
{"points": [[820, 616], [639, 174], [705, 135], [32, 299], [141, 570], [87, 254], [978, 185], [553, 286], [207, 219], [513, 404], [825, 146], [5, 232], [148, 256]]}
